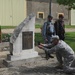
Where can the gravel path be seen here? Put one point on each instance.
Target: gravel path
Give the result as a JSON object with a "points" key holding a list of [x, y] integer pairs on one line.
{"points": [[37, 30], [66, 29]]}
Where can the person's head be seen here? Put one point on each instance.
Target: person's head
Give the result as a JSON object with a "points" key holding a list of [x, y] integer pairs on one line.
{"points": [[55, 39], [61, 17], [49, 18]]}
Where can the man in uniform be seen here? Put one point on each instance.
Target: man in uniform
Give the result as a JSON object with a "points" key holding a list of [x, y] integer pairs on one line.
{"points": [[62, 50]]}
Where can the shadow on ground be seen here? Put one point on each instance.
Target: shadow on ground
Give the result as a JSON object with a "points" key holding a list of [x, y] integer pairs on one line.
{"points": [[43, 70]]}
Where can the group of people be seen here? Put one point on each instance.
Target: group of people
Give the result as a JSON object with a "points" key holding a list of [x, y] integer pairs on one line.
{"points": [[49, 29], [53, 35]]}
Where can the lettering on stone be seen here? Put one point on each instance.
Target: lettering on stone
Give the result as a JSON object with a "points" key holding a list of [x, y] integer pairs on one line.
{"points": [[27, 40]]}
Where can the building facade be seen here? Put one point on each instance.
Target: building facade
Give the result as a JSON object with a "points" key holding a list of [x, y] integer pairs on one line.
{"points": [[72, 17], [12, 12], [41, 8]]}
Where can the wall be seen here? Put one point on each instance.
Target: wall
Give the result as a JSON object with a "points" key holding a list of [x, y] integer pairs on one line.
{"points": [[43, 6], [38, 6], [72, 17], [56, 9], [12, 12]]}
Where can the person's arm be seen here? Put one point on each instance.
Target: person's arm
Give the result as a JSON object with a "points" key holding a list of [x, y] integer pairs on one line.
{"points": [[47, 45], [44, 31], [56, 27], [64, 26], [51, 51], [54, 30]]}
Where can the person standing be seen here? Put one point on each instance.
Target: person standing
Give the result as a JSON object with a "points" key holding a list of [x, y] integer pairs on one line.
{"points": [[60, 27], [48, 30]]}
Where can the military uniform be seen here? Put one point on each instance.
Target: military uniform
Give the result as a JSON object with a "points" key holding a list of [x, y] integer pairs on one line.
{"points": [[63, 50]]}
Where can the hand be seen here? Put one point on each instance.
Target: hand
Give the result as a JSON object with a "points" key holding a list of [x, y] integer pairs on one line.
{"points": [[46, 39], [40, 46]]}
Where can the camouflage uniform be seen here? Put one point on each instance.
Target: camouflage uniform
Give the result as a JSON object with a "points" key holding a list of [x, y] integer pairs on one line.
{"points": [[64, 51]]}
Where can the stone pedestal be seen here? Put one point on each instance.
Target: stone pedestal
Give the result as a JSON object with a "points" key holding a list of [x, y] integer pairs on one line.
{"points": [[22, 41], [23, 55]]}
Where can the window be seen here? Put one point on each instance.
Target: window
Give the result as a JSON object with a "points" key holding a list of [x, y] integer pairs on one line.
{"points": [[40, 15]]}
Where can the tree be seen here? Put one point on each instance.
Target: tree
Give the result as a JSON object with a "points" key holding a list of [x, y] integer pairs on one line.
{"points": [[70, 5]]}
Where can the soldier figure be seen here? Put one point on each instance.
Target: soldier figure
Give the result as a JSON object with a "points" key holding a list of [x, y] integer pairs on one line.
{"points": [[62, 50]]}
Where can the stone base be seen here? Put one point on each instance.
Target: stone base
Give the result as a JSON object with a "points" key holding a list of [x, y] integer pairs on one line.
{"points": [[27, 62], [21, 56], [11, 58]]}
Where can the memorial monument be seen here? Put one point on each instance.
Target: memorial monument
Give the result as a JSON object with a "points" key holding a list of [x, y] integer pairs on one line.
{"points": [[22, 41]]}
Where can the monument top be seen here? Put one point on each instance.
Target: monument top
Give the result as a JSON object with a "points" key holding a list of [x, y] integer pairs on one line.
{"points": [[19, 28]]}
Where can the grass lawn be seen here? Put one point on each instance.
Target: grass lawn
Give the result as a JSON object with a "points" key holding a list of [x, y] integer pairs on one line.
{"points": [[69, 38], [66, 26], [69, 26], [36, 26], [7, 27]]}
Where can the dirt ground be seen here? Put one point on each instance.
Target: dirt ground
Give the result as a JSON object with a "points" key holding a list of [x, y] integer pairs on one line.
{"points": [[40, 66]]}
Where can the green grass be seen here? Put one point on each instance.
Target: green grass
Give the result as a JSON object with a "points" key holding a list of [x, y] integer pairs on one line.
{"points": [[66, 26], [69, 38], [5, 37], [38, 26], [11, 27], [7, 27], [38, 38], [69, 26]]}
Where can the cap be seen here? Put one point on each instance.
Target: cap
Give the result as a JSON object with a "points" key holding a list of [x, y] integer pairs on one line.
{"points": [[55, 37]]}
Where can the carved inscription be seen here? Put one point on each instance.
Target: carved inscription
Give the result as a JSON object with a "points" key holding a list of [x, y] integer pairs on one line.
{"points": [[27, 40]]}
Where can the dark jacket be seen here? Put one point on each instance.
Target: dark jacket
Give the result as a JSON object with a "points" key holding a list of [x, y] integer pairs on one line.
{"points": [[60, 29]]}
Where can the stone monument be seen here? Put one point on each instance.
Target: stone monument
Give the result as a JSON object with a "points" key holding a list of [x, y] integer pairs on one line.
{"points": [[22, 41]]}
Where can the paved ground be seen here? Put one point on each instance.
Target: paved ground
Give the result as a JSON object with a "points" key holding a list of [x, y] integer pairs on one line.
{"points": [[36, 30]]}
